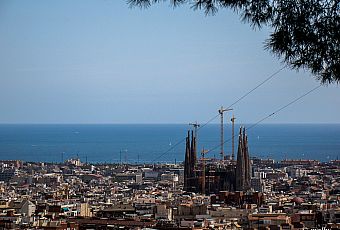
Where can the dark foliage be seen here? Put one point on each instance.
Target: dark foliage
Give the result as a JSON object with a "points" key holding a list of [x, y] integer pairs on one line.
{"points": [[306, 33]]}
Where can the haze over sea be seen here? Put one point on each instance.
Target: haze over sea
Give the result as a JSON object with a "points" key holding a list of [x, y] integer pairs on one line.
{"points": [[146, 142]]}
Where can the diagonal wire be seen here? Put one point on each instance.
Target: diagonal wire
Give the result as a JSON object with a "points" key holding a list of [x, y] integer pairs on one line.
{"points": [[261, 83], [183, 139], [213, 118], [268, 116]]}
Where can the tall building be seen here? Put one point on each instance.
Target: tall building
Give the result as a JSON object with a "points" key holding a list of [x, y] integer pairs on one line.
{"points": [[190, 177], [243, 164]]}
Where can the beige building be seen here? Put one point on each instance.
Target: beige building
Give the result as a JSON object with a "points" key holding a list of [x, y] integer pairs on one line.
{"points": [[263, 220]]}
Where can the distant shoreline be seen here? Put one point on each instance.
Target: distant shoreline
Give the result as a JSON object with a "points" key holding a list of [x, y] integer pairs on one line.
{"points": [[297, 161], [297, 123]]}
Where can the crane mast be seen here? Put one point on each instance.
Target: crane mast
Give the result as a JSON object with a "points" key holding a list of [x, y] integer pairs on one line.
{"points": [[203, 169], [221, 111]]}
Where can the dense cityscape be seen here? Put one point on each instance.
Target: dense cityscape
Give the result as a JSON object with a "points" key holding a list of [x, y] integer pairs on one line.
{"points": [[96, 97], [199, 193]]}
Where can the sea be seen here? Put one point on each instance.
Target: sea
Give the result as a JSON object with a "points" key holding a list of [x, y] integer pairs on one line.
{"points": [[160, 143]]}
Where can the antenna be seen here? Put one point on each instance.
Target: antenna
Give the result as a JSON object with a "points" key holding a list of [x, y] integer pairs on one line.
{"points": [[221, 111]]}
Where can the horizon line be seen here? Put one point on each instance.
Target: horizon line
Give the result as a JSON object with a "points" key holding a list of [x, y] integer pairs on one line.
{"points": [[171, 123]]}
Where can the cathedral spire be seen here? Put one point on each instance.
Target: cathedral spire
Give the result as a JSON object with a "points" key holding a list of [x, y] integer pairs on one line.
{"points": [[190, 177], [187, 162], [243, 167]]}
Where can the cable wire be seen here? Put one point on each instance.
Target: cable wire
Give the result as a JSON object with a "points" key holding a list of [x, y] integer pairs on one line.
{"points": [[183, 139], [268, 116], [249, 92], [213, 118]]}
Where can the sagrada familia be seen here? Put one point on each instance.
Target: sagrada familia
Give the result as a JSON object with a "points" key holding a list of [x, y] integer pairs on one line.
{"points": [[211, 176]]}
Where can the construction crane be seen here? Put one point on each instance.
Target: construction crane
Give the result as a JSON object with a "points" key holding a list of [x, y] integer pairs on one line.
{"points": [[221, 111], [203, 169], [233, 138]]}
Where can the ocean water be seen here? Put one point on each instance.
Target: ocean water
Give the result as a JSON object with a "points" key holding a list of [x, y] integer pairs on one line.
{"points": [[151, 143]]}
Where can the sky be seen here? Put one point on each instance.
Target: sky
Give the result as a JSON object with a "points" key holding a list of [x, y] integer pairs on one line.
{"points": [[100, 61]]}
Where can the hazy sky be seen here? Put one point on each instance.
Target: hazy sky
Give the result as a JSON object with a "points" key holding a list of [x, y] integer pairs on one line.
{"points": [[96, 61]]}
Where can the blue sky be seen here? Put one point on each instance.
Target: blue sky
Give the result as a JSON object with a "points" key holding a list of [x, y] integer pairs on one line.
{"points": [[99, 61]]}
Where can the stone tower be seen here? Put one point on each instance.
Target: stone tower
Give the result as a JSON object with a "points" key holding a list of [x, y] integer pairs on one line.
{"points": [[243, 164], [190, 177]]}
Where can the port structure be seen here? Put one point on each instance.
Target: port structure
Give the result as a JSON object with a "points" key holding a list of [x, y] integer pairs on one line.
{"points": [[221, 111]]}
